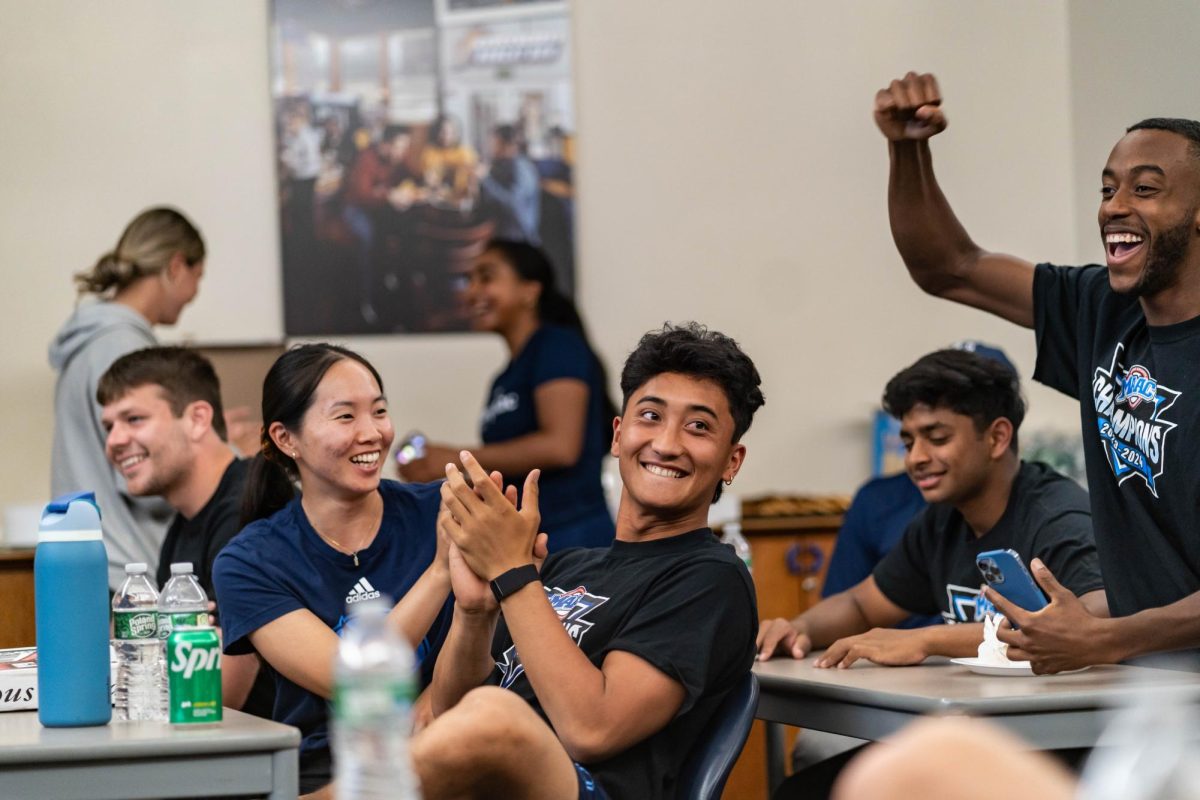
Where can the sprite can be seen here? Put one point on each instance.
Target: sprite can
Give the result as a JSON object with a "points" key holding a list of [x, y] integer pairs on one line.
{"points": [[194, 675]]}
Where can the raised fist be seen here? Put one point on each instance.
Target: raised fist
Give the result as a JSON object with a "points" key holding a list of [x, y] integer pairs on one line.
{"points": [[910, 108]]}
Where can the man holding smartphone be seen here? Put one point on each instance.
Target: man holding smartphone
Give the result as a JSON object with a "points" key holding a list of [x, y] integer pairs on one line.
{"points": [[1123, 338], [959, 413]]}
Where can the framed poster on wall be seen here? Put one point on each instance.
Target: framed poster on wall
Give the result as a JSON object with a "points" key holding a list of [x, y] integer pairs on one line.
{"points": [[409, 133]]}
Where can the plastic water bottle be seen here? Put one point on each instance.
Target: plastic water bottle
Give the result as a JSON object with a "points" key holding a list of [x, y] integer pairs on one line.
{"points": [[70, 582], [182, 602], [374, 687], [1151, 748], [138, 684], [731, 535]]}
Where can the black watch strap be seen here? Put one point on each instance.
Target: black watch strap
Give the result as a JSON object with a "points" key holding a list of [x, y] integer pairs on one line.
{"points": [[506, 583]]}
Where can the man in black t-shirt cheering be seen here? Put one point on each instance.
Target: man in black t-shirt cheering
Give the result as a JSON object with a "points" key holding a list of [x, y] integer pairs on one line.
{"points": [[959, 413], [606, 664], [1124, 340], [161, 407]]}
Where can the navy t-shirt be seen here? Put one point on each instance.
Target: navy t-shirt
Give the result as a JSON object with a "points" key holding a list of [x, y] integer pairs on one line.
{"points": [[280, 564], [552, 353]]}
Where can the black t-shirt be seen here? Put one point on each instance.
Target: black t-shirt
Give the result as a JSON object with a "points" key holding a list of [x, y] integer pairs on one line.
{"points": [[200, 538], [1138, 387], [932, 569], [684, 604]]}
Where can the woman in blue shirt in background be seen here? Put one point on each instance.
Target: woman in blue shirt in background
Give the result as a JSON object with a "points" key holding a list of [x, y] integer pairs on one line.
{"points": [[549, 408]]}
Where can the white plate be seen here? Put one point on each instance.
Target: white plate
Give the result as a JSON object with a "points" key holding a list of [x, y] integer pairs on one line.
{"points": [[1014, 669]]}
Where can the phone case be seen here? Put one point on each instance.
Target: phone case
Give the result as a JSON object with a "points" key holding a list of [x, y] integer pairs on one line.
{"points": [[1004, 571]]}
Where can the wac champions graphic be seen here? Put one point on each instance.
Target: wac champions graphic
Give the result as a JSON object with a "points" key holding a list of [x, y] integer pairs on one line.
{"points": [[572, 608], [1131, 415]]}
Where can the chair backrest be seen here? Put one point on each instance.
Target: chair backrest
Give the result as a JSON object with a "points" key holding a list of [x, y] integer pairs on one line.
{"points": [[712, 758]]}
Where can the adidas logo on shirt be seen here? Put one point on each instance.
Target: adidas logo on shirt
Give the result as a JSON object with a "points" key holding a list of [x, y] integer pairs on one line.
{"points": [[363, 590]]}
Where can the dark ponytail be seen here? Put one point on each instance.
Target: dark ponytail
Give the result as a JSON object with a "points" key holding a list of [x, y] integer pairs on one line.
{"points": [[287, 394], [554, 307]]}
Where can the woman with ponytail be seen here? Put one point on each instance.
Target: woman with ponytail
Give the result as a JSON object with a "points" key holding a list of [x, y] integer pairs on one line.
{"points": [[549, 408], [285, 581], [146, 280]]}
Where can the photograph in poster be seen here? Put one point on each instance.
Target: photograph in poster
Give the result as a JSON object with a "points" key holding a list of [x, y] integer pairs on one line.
{"points": [[409, 133]]}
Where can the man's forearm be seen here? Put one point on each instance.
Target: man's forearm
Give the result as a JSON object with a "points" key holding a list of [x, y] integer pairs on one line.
{"points": [[831, 619], [465, 659], [931, 240], [954, 641], [1155, 630]]}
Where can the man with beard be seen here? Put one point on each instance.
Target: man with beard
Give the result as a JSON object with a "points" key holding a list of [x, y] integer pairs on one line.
{"points": [[1124, 340], [161, 409]]}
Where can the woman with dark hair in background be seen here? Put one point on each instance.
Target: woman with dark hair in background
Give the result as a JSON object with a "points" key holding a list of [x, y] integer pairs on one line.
{"points": [[549, 408], [146, 280], [284, 582]]}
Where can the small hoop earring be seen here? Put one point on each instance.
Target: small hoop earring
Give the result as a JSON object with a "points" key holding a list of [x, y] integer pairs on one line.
{"points": [[729, 482]]}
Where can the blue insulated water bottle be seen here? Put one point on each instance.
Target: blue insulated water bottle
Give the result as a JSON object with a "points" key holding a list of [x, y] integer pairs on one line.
{"points": [[70, 588]]}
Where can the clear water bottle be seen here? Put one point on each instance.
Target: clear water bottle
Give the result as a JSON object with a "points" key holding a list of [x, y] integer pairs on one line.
{"points": [[731, 535], [1151, 748], [374, 686], [138, 685], [182, 602]]}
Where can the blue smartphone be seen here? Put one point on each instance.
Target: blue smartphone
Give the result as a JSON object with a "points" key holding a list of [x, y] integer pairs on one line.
{"points": [[1006, 573]]}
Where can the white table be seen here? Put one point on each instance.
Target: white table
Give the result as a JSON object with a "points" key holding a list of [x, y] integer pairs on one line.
{"points": [[870, 702], [241, 755]]}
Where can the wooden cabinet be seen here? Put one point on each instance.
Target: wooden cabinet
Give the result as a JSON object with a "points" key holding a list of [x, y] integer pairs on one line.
{"points": [[16, 598], [789, 555]]}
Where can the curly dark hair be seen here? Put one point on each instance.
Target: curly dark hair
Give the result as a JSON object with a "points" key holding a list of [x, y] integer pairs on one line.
{"points": [[692, 349], [966, 383]]}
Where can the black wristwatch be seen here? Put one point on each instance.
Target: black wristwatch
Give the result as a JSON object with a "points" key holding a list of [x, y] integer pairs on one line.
{"points": [[506, 583]]}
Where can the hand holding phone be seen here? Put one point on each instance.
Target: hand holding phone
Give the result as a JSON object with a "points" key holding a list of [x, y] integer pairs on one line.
{"points": [[1006, 573], [411, 449]]}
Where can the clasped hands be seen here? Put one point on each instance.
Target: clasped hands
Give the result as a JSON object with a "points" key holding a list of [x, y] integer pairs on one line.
{"points": [[487, 533]]}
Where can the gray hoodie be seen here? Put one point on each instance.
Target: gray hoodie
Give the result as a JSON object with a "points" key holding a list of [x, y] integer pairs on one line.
{"points": [[95, 336]]}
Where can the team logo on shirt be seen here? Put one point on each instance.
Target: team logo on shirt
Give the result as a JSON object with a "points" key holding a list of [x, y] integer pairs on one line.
{"points": [[1130, 405], [501, 403], [963, 603], [572, 608]]}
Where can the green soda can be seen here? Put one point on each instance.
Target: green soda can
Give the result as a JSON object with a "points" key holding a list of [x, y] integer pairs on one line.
{"points": [[194, 675]]}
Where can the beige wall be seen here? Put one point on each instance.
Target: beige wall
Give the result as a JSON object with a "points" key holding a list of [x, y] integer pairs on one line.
{"points": [[728, 167], [1128, 62]]}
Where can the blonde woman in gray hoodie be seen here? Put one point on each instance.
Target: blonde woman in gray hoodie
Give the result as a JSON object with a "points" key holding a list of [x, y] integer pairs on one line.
{"points": [[146, 280]]}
